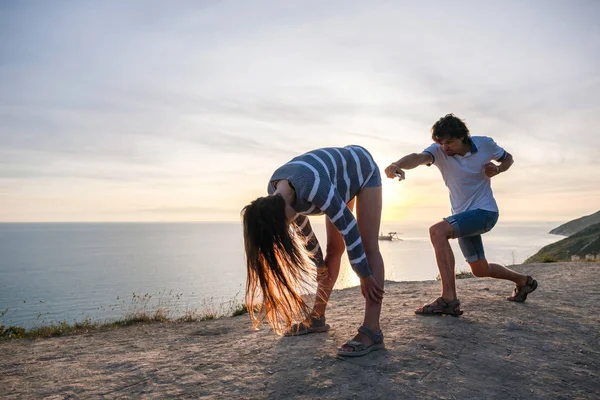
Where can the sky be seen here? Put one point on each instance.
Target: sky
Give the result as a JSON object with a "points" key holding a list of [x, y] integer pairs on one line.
{"points": [[181, 110]]}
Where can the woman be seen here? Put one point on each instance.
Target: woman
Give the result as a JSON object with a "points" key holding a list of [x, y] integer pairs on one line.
{"points": [[276, 231]]}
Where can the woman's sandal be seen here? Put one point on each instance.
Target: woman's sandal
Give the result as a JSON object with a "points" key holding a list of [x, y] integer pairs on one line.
{"points": [[441, 307], [316, 325], [520, 293], [360, 349]]}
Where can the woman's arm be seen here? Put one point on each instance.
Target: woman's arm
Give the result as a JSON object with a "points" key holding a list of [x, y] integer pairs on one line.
{"points": [[312, 243], [342, 218]]}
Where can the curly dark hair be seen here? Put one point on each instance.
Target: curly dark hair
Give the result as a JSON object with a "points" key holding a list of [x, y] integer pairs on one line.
{"points": [[449, 126]]}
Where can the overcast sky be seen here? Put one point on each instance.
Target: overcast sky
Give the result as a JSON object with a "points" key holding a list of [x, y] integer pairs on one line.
{"points": [[180, 111]]}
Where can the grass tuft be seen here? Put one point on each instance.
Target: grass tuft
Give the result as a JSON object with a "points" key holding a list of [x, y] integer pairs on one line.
{"points": [[464, 274], [208, 317], [240, 310], [46, 331], [164, 307]]}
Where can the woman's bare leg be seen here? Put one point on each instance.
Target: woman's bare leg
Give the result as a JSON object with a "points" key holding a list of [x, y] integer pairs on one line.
{"points": [[333, 259], [368, 210]]}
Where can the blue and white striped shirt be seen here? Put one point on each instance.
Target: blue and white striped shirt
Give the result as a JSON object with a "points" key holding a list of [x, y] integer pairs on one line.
{"points": [[325, 180]]}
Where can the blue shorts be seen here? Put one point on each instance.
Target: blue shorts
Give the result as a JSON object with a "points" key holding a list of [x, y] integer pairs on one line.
{"points": [[374, 180], [468, 227]]}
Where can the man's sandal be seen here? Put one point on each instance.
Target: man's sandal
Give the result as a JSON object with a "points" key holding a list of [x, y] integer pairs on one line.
{"points": [[316, 325], [441, 307], [360, 349], [520, 293]]}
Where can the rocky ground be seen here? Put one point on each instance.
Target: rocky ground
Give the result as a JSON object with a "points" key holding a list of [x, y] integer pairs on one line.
{"points": [[546, 348]]}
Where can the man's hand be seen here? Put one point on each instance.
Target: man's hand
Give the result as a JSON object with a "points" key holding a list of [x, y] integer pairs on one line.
{"points": [[491, 169], [371, 290], [392, 171]]}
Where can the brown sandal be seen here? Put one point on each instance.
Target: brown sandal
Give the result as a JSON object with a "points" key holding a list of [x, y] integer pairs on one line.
{"points": [[520, 293], [316, 325], [441, 307]]}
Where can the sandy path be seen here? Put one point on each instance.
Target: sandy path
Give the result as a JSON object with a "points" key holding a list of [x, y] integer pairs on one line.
{"points": [[547, 348]]}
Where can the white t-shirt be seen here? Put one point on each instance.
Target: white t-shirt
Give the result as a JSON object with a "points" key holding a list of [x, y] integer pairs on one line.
{"points": [[464, 176]]}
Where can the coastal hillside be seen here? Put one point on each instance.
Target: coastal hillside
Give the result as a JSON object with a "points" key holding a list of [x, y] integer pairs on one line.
{"points": [[576, 225], [582, 244]]}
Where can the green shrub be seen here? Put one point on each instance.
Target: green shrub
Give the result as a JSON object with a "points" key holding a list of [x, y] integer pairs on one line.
{"points": [[548, 258]]}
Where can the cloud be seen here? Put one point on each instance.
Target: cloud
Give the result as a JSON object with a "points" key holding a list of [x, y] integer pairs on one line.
{"points": [[181, 210], [187, 93]]}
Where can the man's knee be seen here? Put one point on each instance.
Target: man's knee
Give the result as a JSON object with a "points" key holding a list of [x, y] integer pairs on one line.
{"points": [[441, 230]]}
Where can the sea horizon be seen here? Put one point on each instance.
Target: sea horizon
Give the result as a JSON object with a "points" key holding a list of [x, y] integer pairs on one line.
{"points": [[71, 271]]}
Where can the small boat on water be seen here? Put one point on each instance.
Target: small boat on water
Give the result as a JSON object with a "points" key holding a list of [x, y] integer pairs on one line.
{"points": [[389, 236]]}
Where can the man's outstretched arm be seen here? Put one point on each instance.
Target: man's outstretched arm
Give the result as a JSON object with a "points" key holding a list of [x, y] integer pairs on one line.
{"points": [[409, 161]]}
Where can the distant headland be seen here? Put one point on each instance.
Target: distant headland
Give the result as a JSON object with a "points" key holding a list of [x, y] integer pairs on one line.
{"points": [[582, 242]]}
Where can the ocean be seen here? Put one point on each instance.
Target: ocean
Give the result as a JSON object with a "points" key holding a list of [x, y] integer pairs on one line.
{"points": [[54, 272]]}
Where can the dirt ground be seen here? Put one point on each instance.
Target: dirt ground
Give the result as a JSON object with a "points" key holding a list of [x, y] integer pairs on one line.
{"points": [[546, 348]]}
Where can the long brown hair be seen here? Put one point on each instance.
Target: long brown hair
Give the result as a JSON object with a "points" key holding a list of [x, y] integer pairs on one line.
{"points": [[276, 263]]}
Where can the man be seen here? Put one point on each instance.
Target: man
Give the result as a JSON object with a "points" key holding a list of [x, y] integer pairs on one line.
{"points": [[466, 165]]}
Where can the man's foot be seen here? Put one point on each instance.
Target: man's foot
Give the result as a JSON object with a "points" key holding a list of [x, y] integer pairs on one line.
{"points": [[363, 343], [311, 325], [441, 307], [520, 293]]}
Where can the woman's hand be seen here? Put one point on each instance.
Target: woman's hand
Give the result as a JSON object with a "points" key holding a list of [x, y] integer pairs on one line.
{"points": [[371, 290]]}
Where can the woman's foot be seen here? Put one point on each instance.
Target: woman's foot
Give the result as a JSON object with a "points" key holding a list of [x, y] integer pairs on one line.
{"points": [[366, 341], [360, 338], [311, 325]]}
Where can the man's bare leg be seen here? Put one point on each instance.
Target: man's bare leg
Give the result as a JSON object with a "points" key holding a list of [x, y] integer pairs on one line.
{"points": [[482, 269], [440, 234]]}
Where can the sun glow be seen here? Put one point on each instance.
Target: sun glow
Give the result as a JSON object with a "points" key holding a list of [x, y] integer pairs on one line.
{"points": [[395, 200], [347, 277]]}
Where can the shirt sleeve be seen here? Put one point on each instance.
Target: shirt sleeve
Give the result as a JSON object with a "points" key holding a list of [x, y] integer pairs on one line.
{"points": [[312, 244], [332, 204], [433, 149], [497, 152]]}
